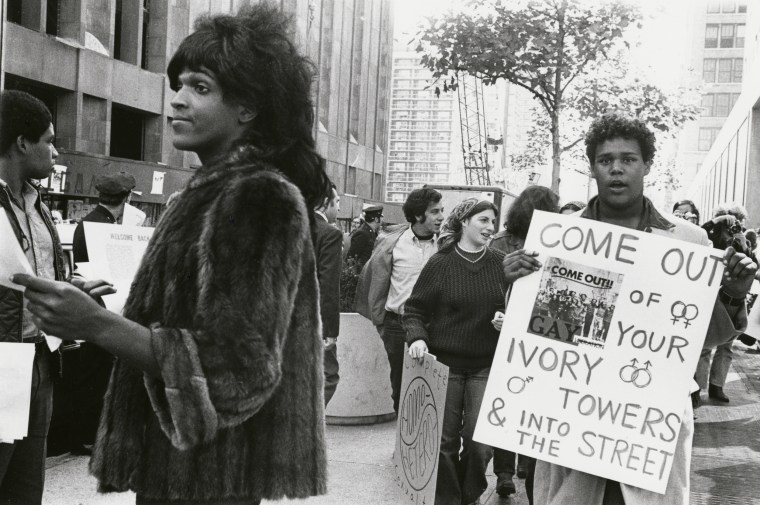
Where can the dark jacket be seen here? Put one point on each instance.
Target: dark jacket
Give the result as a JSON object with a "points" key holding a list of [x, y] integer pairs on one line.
{"points": [[98, 215], [362, 242], [228, 286], [328, 248], [11, 301]]}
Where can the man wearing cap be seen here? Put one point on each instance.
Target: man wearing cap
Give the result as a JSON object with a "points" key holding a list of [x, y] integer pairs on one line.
{"points": [[79, 393], [363, 238]]}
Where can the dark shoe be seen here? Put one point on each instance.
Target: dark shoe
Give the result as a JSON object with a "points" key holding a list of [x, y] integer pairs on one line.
{"points": [[696, 399], [522, 472], [504, 485], [717, 393]]}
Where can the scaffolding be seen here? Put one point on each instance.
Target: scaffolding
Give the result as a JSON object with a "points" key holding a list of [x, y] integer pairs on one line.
{"points": [[472, 120]]}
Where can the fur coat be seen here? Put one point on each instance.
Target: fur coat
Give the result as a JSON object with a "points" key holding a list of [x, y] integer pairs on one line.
{"points": [[228, 287]]}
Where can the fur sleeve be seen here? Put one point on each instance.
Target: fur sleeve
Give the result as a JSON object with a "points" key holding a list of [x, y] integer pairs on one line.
{"points": [[253, 250]]}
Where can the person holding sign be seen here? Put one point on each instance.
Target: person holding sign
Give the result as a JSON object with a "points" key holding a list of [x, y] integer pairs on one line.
{"points": [[27, 152], [449, 314], [216, 395], [620, 151]]}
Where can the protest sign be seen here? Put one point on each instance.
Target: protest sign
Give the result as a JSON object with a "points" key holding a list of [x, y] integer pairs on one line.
{"points": [[115, 252], [420, 420], [16, 365], [598, 349], [12, 259]]}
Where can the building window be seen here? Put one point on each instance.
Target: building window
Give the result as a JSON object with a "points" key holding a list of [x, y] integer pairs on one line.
{"points": [[351, 180], [740, 29], [742, 6], [708, 103], [727, 34], [728, 6], [713, 6], [725, 69], [738, 70], [708, 69], [722, 104], [706, 138], [127, 127], [711, 36], [51, 22]]}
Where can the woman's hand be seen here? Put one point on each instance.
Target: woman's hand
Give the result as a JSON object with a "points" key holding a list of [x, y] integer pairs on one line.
{"points": [[418, 349], [60, 309], [520, 263]]}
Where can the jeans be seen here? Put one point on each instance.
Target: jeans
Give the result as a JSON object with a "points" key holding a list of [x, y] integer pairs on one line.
{"points": [[462, 462], [22, 463], [718, 371], [331, 372], [394, 339]]}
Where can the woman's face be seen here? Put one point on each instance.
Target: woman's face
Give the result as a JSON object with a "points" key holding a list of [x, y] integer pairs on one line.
{"points": [[202, 121], [479, 228]]}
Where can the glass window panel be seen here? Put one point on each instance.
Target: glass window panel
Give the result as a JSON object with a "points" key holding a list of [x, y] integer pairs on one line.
{"points": [[738, 70], [734, 98], [743, 6], [740, 30], [727, 35], [728, 6], [741, 163], [708, 69], [724, 69], [713, 7], [711, 36], [722, 103], [708, 104], [731, 171]]}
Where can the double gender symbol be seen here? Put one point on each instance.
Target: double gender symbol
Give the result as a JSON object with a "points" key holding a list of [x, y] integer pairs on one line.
{"points": [[493, 416], [638, 376], [680, 310]]}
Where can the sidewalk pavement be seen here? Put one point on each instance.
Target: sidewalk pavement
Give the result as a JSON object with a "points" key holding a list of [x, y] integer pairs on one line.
{"points": [[725, 458]]}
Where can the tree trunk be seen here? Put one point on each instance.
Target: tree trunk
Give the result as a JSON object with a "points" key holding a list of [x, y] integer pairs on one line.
{"points": [[556, 151]]}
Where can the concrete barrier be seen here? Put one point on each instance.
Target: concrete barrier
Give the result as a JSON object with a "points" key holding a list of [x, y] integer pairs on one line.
{"points": [[363, 395]]}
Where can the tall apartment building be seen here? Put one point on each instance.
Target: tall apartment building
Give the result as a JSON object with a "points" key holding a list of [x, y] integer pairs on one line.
{"points": [[422, 134], [730, 168], [717, 29], [99, 66]]}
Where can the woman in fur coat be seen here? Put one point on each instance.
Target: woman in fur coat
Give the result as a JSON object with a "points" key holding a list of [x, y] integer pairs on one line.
{"points": [[216, 396]]}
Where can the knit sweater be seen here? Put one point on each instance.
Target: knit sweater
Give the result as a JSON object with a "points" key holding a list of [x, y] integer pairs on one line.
{"points": [[452, 305]]}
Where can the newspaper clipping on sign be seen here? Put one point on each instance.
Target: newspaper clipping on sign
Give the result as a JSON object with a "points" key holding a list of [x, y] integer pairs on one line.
{"points": [[420, 421], [598, 350]]}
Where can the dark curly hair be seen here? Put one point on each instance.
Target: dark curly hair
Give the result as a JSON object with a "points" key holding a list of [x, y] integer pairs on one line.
{"points": [[23, 115], [418, 201], [521, 212], [611, 126], [258, 67]]}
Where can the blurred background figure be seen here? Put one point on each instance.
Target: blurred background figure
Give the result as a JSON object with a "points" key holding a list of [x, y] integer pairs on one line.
{"points": [[724, 230], [685, 209], [509, 240], [363, 238], [572, 207]]}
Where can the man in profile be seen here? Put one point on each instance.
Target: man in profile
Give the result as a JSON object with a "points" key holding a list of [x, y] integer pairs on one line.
{"points": [[363, 238], [26, 153], [328, 248]]}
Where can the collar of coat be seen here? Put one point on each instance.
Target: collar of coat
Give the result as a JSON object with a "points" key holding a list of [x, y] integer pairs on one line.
{"points": [[651, 218], [245, 158]]}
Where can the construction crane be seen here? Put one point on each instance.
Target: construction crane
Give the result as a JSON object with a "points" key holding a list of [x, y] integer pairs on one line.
{"points": [[472, 121]]}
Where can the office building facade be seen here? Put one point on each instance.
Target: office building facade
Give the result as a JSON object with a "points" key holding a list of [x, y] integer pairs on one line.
{"points": [[99, 66]]}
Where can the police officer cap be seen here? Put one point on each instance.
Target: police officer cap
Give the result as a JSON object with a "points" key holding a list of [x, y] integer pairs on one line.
{"points": [[115, 184], [373, 209]]}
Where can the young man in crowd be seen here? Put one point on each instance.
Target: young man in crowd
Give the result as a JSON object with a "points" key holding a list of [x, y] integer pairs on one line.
{"points": [[27, 152], [620, 151], [389, 276]]}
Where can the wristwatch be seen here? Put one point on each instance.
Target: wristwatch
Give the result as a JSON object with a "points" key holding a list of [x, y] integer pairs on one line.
{"points": [[730, 300]]}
